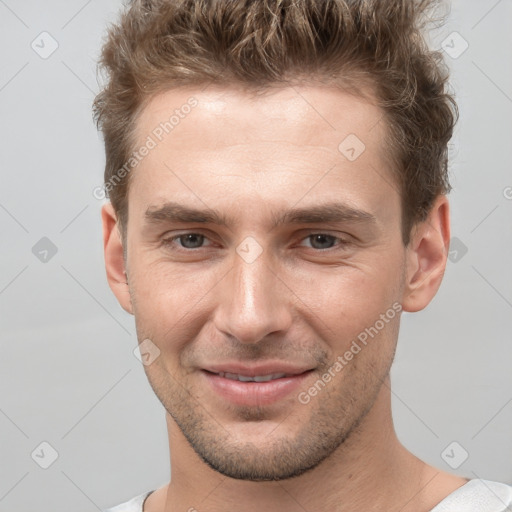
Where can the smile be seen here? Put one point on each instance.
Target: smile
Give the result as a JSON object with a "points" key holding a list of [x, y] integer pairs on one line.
{"points": [[256, 378], [254, 390]]}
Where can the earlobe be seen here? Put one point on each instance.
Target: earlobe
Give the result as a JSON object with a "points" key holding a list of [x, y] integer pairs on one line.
{"points": [[114, 258], [426, 257]]}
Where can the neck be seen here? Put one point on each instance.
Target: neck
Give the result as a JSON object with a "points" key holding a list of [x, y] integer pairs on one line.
{"points": [[370, 471]]}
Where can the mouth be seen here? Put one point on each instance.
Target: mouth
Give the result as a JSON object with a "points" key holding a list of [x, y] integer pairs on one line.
{"points": [[255, 387], [255, 378]]}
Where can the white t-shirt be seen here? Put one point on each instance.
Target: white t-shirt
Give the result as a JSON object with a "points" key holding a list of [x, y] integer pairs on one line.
{"points": [[475, 496]]}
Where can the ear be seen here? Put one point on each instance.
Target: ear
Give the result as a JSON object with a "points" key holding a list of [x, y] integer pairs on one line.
{"points": [[114, 259], [426, 257]]}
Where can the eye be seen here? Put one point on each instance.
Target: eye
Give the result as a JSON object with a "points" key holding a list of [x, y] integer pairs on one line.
{"points": [[187, 241], [191, 241], [323, 241]]}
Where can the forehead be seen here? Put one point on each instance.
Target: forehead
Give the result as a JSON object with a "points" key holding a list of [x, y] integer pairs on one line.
{"points": [[298, 114], [271, 144]]}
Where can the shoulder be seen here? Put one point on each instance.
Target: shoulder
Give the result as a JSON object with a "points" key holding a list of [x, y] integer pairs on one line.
{"points": [[478, 496], [133, 505]]}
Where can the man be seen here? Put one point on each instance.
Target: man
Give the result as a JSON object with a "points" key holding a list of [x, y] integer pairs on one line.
{"points": [[277, 171]]}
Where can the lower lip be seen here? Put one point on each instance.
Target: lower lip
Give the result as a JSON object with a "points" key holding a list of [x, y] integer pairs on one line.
{"points": [[254, 393]]}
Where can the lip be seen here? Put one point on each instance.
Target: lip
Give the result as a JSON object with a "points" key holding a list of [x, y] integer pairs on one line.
{"points": [[255, 393], [267, 368]]}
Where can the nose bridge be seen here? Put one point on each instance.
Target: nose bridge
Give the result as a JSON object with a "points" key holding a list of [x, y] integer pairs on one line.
{"points": [[253, 302]]}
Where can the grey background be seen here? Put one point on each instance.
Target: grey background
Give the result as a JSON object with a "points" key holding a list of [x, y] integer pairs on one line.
{"points": [[67, 370]]}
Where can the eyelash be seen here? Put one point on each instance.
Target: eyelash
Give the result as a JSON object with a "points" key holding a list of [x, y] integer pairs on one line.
{"points": [[341, 243]]}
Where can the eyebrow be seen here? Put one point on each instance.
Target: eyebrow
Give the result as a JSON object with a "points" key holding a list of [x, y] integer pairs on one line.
{"points": [[325, 213]]}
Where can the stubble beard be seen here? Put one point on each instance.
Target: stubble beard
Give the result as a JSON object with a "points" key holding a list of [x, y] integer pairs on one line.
{"points": [[326, 424]]}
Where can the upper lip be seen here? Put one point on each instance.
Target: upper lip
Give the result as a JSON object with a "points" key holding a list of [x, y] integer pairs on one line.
{"points": [[253, 370]]}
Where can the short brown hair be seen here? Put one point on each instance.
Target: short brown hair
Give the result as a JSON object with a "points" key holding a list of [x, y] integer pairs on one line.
{"points": [[162, 44]]}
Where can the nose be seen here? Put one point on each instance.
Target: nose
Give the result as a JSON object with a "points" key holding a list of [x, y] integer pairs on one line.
{"points": [[253, 301]]}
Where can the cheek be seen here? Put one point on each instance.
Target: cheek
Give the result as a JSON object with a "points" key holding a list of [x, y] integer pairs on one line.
{"points": [[161, 286], [170, 304], [340, 303]]}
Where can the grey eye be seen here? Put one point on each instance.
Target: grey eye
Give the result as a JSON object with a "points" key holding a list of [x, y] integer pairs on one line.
{"points": [[191, 240], [320, 241]]}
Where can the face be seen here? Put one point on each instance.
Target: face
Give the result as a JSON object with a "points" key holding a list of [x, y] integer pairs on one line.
{"points": [[262, 241]]}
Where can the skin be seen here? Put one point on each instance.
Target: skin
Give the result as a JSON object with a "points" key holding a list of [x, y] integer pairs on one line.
{"points": [[303, 300]]}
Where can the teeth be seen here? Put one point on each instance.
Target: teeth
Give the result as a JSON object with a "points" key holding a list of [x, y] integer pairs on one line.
{"points": [[256, 378]]}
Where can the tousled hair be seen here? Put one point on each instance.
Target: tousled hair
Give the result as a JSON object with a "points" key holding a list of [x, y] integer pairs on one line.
{"points": [[379, 45]]}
